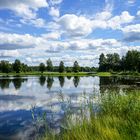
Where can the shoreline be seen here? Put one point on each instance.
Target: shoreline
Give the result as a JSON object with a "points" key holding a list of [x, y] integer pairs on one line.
{"points": [[102, 74]]}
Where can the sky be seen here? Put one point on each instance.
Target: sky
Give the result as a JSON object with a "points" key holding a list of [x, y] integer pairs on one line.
{"points": [[67, 30]]}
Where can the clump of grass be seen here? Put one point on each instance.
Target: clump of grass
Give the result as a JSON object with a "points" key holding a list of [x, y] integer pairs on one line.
{"points": [[118, 119]]}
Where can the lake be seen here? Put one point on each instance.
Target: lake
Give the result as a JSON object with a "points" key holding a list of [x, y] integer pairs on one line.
{"points": [[19, 96]]}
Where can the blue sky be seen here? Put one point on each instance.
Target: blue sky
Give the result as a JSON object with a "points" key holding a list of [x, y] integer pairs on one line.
{"points": [[67, 30]]}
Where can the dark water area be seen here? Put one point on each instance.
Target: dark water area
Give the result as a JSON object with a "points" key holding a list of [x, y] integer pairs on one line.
{"points": [[18, 95]]}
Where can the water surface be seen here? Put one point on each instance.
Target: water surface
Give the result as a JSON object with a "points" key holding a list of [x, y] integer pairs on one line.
{"points": [[18, 95]]}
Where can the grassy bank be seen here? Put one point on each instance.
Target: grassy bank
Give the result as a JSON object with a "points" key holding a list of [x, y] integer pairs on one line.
{"points": [[72, 74], [48, 74], [118, 119]]}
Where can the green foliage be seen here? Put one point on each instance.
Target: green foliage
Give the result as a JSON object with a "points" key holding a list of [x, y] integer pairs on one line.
{"points": [[117, 119], [17, 67], [49, 65], [132, 60], [42, 67], [112, 62], [68, 69], [76, 67], [61, 67], [5, 66]]}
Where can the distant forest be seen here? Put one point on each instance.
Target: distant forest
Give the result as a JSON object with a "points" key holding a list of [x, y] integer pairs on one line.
{"points": [[107, 63]]}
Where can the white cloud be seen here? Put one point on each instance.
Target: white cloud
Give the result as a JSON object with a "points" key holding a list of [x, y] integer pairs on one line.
{"points": [[132, 33], [7, 53], [80, 26], [23, 8], [46, 46], [131, 28], [105, 15], [109, 5], [55, 2], [74, 25], [46, 42], [131, 1], [54, 12], [138, 13], [117, 21], [38, 22], [52, 35], [19, 41]]}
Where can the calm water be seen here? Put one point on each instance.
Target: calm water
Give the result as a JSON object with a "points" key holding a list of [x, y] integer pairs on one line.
{"points": [[18, 95]]}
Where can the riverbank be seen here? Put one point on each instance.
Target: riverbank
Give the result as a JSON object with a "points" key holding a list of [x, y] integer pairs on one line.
{"points": [[73, 74], [118, 118]]}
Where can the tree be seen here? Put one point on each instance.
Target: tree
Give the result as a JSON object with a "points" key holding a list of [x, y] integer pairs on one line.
{"points": [[102, 62], [17, 66], [24, 67], [42, 67], [117, 62], [68, 69], [61, 67], [132, 60], [5, 66], [76, 67], [49, 65]]}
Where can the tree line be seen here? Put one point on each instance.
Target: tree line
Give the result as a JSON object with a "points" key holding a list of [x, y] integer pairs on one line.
{"points": [[108, 62], [113, 62], [17, 66]]}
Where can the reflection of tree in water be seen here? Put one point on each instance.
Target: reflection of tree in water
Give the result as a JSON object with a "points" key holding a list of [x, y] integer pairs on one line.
{"points": [[68, 77], [109, 85], [76, 80], [115, 84], [42, 80], [61, 80], [50, 82], [4, 83], [17, 82]]}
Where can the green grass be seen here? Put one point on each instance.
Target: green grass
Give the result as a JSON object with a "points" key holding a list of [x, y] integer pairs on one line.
{"points": [[118, 119], [104, 74], [47, 74], [72, 74]]}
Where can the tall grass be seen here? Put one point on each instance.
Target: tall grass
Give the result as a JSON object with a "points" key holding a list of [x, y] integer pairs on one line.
{"points": [[118, 118]]}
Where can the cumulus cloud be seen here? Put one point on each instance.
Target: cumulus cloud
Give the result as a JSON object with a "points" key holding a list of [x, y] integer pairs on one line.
{"points": [[138, 13], [117, 21], [132, 32], [40, 42], [38, 22], [54, 12], [74, 25], [52, 35], [78, 26], [23, 8], [105, 15], [55, 2], [46, 46], [26, 9], [16, 40], [7, 53], [131, 1]]}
